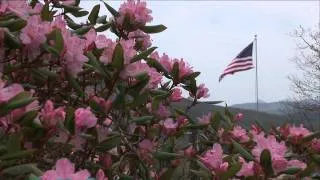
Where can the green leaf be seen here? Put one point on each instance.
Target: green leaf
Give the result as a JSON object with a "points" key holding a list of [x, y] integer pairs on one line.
{"points": [[182, 113], [143, 55], [291, 171], [191, 76], [20, 100], [307, 171], [94, 14], [154, 63], [102, 19], [139, 100], [79, 13], [11, 41], [109, 143], [266, 162], [97, 65], [33, 177], [17, 155], [75, 85], [69, 121], [216, 119], [13, 25], [165, 155], [244, 153], [142, 120], [117, 57], [204, 175], [196, 126], [175, 72], [153, 29], [45, 13], [57, 38], [212, 102], [13, 144], [83, 30], [22, 169], [143, 80], [27, 118], [311, 137], [232, 171], [126, 177], [110, 9], [103, 27], [72, 24]]}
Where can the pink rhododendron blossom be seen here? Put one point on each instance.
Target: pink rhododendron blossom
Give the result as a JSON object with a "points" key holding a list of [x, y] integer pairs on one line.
{"points": [[8, 92], [128, 50], [296, 164], [163, 111], [142, 39], [136, 12], [145, 148], [277, 150], [240, 134], [90, 37], [19, 8], [64, 169], [139, 68], [238, 117], [106, 160], [73, 56], [50, 116], [205, 119], [213, 159], [170, 126], [105, 105], [33, 35], [102, 132], [84, 118], [247, 168], [316, 145], [297, 133], [202, 92], [2, 51], [100, 175], [190, 151], [176, 95], [164, 60], [255, 130], [184, 68]]}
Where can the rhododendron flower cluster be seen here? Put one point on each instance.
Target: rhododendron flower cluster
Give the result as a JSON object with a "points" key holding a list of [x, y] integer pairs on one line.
{"points": [[78, 103]]}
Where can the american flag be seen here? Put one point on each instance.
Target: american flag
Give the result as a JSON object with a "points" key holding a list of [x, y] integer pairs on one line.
{"points": [[242, 62]]}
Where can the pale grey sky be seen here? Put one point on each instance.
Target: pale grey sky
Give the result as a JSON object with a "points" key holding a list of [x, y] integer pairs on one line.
{"points": [[209, 34]]}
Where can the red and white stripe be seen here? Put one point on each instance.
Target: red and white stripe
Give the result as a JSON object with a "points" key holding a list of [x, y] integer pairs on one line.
{"points": [[238, 64]]}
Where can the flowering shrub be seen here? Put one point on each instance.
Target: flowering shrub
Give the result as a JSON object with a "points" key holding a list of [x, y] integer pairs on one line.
{"points": [[76, 104]]}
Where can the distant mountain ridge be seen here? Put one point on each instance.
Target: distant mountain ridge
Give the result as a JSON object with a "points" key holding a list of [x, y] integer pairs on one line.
{"points": [[278, 107]]}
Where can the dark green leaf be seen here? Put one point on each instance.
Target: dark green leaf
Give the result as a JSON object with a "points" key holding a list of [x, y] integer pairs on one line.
{"points": [[153, 29], [75, 85], [103, 27], [244, 153], [72, 24], [33, 177], [165, 155], [69, 121], [97, 65], [182, 113], [11, 41], [191, 76], [307, 171], [14, 143], [22, 169], [311, 137], [102, 19], [110, 9], [94, 14], [154, 63], [142, 120], [232, 171], [143, 55], [266, 162], [57, 38], [117, 57], [13, 25], [204, 175], [46, 15], [216, 119], [69, 8], [83, 30], [20, 100], [291, 171], [175, 72], [17, 155], [109, 143], [27, 118]]}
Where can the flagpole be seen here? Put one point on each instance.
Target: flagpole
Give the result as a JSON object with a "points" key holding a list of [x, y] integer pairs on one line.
{"points": [[256, 86]]}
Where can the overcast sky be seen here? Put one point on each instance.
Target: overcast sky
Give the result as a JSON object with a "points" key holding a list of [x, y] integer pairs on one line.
{"points": [[209, 34]]}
